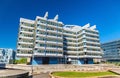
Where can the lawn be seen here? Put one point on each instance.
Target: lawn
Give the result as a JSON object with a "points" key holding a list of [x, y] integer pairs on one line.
{"points": [[81, 74]]}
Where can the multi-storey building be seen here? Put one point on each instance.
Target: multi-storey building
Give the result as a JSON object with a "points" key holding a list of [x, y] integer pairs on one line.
{"points": [[111, 50], [81, 44], [7, 55], [43, 40]]}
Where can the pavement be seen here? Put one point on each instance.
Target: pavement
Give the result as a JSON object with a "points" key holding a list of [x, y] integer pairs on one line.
{"points": [[11, 72], [42, 75], [117, 71]]}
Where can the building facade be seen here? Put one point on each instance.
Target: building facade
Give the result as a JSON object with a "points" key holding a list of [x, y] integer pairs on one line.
{"points": [[7, 55], [42, 37], [81, 44], [111, 50], [48, 41]]}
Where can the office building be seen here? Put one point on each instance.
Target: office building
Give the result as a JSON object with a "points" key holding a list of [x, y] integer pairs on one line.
{"points": [[7, 55], [42, 37], [49, 41], [111, 50]]}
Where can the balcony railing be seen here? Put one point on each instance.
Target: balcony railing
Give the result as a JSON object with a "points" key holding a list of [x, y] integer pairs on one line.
{"points": [[72, 35], [92, 42], [21, 42], [26, 37], [92, 34], [21, 48], [84, 56], [27, 27], [41, 23], [41, 35], [91, 38], [96, 47], [41, 29], [94, 52], [24, 55], [75, 52], [27, 32], [40, 47], [40, 41]]}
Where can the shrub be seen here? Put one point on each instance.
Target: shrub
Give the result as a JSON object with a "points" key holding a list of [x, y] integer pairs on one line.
{"points": [[21, 61]]}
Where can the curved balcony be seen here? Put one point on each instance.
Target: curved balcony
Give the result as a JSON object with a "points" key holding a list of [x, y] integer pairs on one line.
{"points": [[71, 38], [94, 52], [29, 43], [92, 42], [91, 56], [51, 31], [27, 32], [91, 38], [53, 26], [24, 55], [74, 52], [72, 35], [40, 47], [40, 41], [26, 37], [41, 35], [84, 56], [48, 54], [94, 47], [27, 27], [92, 34], [21, 48], [41, 23], [53, 42], [55, 37], [44, 30]]}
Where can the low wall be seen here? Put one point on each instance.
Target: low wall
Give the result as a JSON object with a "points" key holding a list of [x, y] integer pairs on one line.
{"points": [[63, 67]]}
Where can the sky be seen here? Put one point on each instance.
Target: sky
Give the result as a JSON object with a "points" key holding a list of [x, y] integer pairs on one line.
{"points": [[105, 14]]}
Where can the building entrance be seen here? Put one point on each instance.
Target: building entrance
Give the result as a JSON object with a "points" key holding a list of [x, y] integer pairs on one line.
{"points": [[45, 60], [85, 60]]}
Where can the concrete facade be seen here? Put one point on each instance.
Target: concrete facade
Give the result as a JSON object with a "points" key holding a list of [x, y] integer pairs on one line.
{"points": [[49, 41]]}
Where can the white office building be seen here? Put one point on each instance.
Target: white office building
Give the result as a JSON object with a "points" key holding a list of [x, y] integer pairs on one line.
{"points": [[49, 41]]}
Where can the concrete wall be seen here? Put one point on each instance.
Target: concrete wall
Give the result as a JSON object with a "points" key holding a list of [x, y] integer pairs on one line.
{"points": [[64, 67]]}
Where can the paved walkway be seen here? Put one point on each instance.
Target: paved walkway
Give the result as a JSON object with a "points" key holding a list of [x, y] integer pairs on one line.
{"points": [[42, 75], [116, 71]]}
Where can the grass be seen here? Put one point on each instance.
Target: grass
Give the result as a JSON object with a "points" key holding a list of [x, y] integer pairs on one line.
{"points": [[81, 74]]}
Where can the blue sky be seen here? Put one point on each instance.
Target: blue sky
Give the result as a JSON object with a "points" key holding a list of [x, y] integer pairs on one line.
{"points": [[104, 13]]}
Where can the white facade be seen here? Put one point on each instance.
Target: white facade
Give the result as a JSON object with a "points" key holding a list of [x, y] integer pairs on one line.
{"points": [[45, 37], [81, 42]]}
